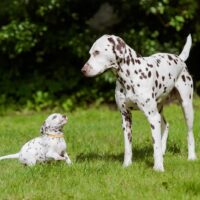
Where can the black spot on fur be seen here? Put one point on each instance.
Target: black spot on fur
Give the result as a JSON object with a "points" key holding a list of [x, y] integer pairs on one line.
{"points": [[157, 74], [152, 126], [149, 65], [129, 137], [54, 117], [128, 72], [170, 58], [158, 62], [156, 83], [183, 77], [188, 78], [128, 60], [143, 75], [137, 61], [133, 89]]}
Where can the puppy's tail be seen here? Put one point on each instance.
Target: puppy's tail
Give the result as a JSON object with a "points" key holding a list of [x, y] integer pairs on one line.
{"points": [[186, 49], [10, 156]]}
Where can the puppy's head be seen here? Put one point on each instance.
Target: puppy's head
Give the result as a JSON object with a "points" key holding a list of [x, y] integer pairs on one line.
{"points": [[54, 123], [107, 52]]}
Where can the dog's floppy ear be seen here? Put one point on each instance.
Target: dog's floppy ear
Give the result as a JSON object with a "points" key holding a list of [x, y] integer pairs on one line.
{"points": [[118, 47], [43, 128]]}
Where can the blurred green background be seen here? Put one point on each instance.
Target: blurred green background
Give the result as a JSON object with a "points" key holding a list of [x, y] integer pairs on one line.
{"points": [[44, 44]]}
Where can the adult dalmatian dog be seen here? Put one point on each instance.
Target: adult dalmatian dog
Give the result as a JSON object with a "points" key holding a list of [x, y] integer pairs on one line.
{"points": [[50, 145], [144, 83]]}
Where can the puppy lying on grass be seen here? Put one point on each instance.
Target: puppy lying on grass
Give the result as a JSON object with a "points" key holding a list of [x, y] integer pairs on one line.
{"points": [[50, 145]]}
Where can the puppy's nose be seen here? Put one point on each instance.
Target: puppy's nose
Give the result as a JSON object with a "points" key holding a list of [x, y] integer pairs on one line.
{"points": [[64, 116]]}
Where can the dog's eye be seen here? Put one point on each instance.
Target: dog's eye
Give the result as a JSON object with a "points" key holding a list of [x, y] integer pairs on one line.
{"points": [[54, 117], [96, 53]]}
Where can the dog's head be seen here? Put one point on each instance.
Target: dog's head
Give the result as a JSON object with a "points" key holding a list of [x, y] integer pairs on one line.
{"points": [[53, 124], [107, 52]]}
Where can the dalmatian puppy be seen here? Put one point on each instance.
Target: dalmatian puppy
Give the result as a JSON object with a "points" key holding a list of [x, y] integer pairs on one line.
{"points": [[144, 83], [50, 145]]}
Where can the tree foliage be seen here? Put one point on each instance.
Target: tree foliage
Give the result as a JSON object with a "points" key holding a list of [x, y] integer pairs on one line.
{"points": [[44, 43]]}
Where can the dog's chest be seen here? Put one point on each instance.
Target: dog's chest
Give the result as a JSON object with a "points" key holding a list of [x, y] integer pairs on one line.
{"points": [[56, 144]]}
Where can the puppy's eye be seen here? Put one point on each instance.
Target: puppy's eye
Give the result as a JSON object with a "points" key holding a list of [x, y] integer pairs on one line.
{"points": [[96, 53], [54, 117]]}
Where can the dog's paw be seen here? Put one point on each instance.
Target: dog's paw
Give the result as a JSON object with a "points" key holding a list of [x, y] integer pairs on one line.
{"points": [[159, 168], [192, 157], [68, 161], [127, 163]]}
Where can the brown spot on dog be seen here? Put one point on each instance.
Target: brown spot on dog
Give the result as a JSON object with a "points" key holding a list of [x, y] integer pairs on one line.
{"points": [[128, 72], [170, 58], [137, 61], [128, 60], [143, 75], [175, 61], [183, 77], [157, 74], [133, 89], [129, 137], [120, 45], [149, 74], [149, 65], [152, 126], [156, 83], [111, 40]]}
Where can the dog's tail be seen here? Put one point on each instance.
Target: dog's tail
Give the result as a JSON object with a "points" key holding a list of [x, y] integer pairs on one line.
{"points": [[10, 156], [186, 49]]}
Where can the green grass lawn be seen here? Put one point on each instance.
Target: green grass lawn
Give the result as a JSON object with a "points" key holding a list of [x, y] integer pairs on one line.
{"points": [[95, 145]]}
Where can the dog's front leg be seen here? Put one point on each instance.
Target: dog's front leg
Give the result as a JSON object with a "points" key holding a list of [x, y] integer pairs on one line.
{"points": [[54, 155], [67, 159], [154, 119], [126, 125]]}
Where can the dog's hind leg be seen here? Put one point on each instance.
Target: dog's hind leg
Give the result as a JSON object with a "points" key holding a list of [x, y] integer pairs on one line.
{"points": [[184, 85], [164, 130]]}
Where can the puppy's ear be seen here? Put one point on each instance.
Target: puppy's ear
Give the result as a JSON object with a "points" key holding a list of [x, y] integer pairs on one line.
{"points": [[43, 128]]}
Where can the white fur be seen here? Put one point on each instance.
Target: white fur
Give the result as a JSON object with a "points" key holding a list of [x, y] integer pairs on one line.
{"points": [[144, 83], [186, 49], [49, 146]]}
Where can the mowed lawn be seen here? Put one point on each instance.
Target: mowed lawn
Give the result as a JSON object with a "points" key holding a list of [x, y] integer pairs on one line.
{"points": [[95, 145]]}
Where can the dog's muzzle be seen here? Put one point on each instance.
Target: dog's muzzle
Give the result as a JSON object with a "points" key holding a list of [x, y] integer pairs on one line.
{"points": [[85, 69]]}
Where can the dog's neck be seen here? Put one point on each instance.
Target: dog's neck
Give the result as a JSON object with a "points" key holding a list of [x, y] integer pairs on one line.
{"points": [[55, 135], [126, 64]]}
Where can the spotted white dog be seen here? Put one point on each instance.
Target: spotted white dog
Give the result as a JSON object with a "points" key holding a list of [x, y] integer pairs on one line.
{"points": [[50, 145], [144, 83]]}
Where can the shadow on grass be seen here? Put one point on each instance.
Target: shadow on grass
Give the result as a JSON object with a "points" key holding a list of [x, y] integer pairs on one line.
{"points": [[140, 154]]}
